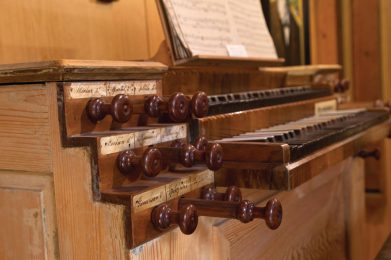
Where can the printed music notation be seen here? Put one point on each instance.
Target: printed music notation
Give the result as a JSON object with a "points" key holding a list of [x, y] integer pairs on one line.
{"points": [[207, 27]]}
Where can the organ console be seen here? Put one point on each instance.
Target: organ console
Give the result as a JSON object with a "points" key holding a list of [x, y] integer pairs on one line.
{"points": [[163, 157]]}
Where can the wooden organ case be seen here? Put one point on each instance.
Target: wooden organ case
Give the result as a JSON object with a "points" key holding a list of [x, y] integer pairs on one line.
{"points": [[110, 158]]}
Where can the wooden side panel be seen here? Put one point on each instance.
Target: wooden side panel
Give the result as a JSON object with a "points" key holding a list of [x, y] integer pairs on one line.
{"points": [[27, 216], [313, 225], [354, 189], [43, 30], [86, 229], [24, 129], [324, 32], [366, 50]]}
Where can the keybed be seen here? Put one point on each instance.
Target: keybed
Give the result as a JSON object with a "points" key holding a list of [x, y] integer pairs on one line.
{"points": [[308, 134]]}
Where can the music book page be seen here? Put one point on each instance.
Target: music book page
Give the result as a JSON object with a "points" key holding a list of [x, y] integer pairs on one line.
{"points": [[218, 28]]}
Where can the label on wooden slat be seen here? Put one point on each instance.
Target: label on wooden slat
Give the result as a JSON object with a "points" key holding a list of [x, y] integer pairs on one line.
{"points": [[149, 199], [178, 188], [118, 143], [148, 137], [173, 133], [112, 88], [325, 106], [171, 190]]}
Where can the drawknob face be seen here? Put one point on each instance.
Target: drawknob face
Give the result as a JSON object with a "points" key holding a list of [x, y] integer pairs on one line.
{"points": [[214, 157], [187, 155], [201, 143], [188, 219], [233, 193], [178, 107], [200, 104], [160, 217], [208, 193], [121, 108], [151, 162], [245, 211], [273, 213], [125, 161], [95, 110], [151, 106]]}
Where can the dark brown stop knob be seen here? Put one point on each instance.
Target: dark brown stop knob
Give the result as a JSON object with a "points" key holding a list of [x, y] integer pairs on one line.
{"points": [[150, 162], [212, 156], [177, 107], [120, 109], [199, 104], [211, 153], [244, 210], [162, 217], [272, 213], [232, 193], [341, 86], [375, 153]]}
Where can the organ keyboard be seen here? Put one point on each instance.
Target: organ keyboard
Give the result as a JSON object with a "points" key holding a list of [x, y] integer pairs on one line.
{"points": [[153, 156]]}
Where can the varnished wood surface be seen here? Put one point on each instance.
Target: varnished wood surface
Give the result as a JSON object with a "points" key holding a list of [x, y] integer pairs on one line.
{"points": [[66, 70], [24, 128], [228, 125], [27, 212], [42, 30]]}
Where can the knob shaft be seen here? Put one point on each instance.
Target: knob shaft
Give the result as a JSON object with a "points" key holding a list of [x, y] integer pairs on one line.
{"points": [[188, 155], [232, 193], [177, 107], [162, 217], [244, 210], [375, 153], [199, 104], [120, 109], [150, 162]]}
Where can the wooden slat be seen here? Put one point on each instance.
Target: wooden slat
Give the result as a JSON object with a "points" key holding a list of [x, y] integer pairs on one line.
{"points": [[24, 128], [66, 70], [27, 215], [92, 29], [366, 50]]}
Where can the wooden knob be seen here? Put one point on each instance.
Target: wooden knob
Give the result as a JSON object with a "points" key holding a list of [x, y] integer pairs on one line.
{"points": [[150, 162], [272, 213], [244, 210], [200, 104], [162, 217], [120, 109], [214, 157], [177, 107], [201, 143], [375, 153], [341, 86], [232, 193], [213, 153]]}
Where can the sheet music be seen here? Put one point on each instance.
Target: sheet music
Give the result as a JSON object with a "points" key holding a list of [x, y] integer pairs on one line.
{"points": [[206, 27]]}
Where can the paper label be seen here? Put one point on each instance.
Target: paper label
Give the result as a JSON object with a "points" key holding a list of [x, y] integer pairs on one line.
{"points": [[171, 190], [236, 50], [325, 106], [149, 199], [118, 143], [112, 88]]}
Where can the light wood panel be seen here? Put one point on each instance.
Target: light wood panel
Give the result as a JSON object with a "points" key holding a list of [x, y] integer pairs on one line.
{"points": [[24, 128], [324, 32], [366, 50], [28, 229], [355, 216], [34, 30], [312, 228], [385, 32]]}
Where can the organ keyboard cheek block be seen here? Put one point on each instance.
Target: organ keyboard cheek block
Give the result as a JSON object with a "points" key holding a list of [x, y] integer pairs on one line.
{"points": [[138, 143]]}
